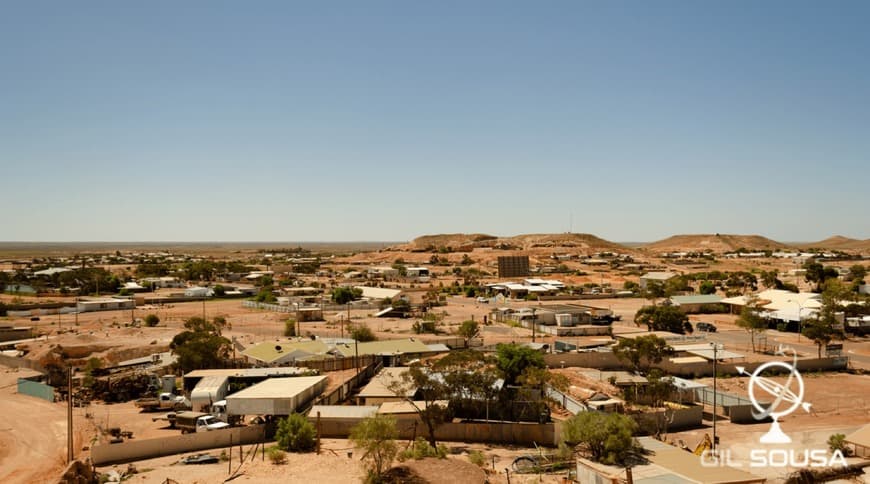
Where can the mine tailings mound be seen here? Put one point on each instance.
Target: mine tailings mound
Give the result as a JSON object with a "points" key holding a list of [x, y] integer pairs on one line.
{"points": [[716, 243]]}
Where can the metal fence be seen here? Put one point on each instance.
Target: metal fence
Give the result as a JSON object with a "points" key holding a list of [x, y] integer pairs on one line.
{"points": [[566, 401], [268, 307], [346, 389], [36, 389]]}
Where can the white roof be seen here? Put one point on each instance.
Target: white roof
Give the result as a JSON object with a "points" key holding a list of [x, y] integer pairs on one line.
{"points": [[707, 353], [791, 315], [278, 387], [779, 300], [378, 292], [51, 271], [535, 281], [658, 276]]}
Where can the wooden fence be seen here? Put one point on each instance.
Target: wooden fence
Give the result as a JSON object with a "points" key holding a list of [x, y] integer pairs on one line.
{"points": [[344, 391]]}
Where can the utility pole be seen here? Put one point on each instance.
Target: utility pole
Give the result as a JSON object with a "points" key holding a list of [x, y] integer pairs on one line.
{"points": [[69, 417], [356, 355], [534, 323], [715, 398]]}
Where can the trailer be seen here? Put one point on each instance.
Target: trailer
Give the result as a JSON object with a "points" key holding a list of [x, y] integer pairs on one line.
{"points": [[209, 390], [276, 396]]}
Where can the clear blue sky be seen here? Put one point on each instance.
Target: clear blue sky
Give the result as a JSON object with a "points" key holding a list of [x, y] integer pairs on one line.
{"points": [[300, 121]]}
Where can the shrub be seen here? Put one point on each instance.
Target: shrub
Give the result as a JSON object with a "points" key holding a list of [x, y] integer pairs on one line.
{"points": [[277, 456], [362, 333], [290, 327], [421, 449], [152, 320], [838, 442], [295, 433], [468, 329], [477, 458], [377, 437]]}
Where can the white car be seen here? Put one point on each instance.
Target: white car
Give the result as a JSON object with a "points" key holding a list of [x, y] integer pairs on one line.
{"points": [[482, 299]]}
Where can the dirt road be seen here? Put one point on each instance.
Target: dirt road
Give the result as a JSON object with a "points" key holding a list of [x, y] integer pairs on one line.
{"points": [[32, 431]]}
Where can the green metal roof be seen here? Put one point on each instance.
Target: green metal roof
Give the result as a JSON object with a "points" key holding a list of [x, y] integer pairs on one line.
{"points": [[269, 352], [385, 347], [697, 299]]}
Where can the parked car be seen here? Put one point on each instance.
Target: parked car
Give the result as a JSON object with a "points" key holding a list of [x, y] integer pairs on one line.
{"points": [[708, 327], [482, 299]]}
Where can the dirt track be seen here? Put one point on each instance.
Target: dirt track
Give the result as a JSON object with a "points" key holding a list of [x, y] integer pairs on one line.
{"points": [[33, 432]]}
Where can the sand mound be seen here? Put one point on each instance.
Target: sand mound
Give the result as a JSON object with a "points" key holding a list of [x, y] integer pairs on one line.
{"points": [[838, 242], [467, 242], [716, 243], [436, 471]]}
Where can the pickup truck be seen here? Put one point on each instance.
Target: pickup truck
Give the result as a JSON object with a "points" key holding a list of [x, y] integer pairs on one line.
{"points": [[164, 401], [198, 422]]}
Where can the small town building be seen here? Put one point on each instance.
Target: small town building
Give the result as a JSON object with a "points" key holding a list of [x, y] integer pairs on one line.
{"points": [[104, 304], [279, 353], [387, 386], [657, 277], [696, 303]]}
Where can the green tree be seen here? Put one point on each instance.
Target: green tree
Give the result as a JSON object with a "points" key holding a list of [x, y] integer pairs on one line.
{"points": [[631, 286], [750, 320], [769, 279], [654, 290], [344, 295], [296, 433], [361, 333], [676, 285], [643, 351], [266, 295], [200, 346], [152, 320], [707, 287], [376, 437], [400, 304], [818, 274], [470, 378], [824, 327], [857, 273], [606, 437], [219, 291], [468, 329], [663, 318], [513, 359], [419, 380]]}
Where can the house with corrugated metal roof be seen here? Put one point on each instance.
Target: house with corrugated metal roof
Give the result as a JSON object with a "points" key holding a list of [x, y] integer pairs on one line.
{"points": [[274, 353]]}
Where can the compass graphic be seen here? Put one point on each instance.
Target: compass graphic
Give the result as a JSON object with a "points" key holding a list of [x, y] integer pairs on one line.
{"points": [[786, 399]]}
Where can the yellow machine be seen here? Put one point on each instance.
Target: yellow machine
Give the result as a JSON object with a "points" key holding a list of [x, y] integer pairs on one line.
{"points": [[705, 444]]}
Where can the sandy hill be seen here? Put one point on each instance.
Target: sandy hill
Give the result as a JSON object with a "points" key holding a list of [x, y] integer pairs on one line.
{"points": [[838, 242], [587, 242], [716, 243]]}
